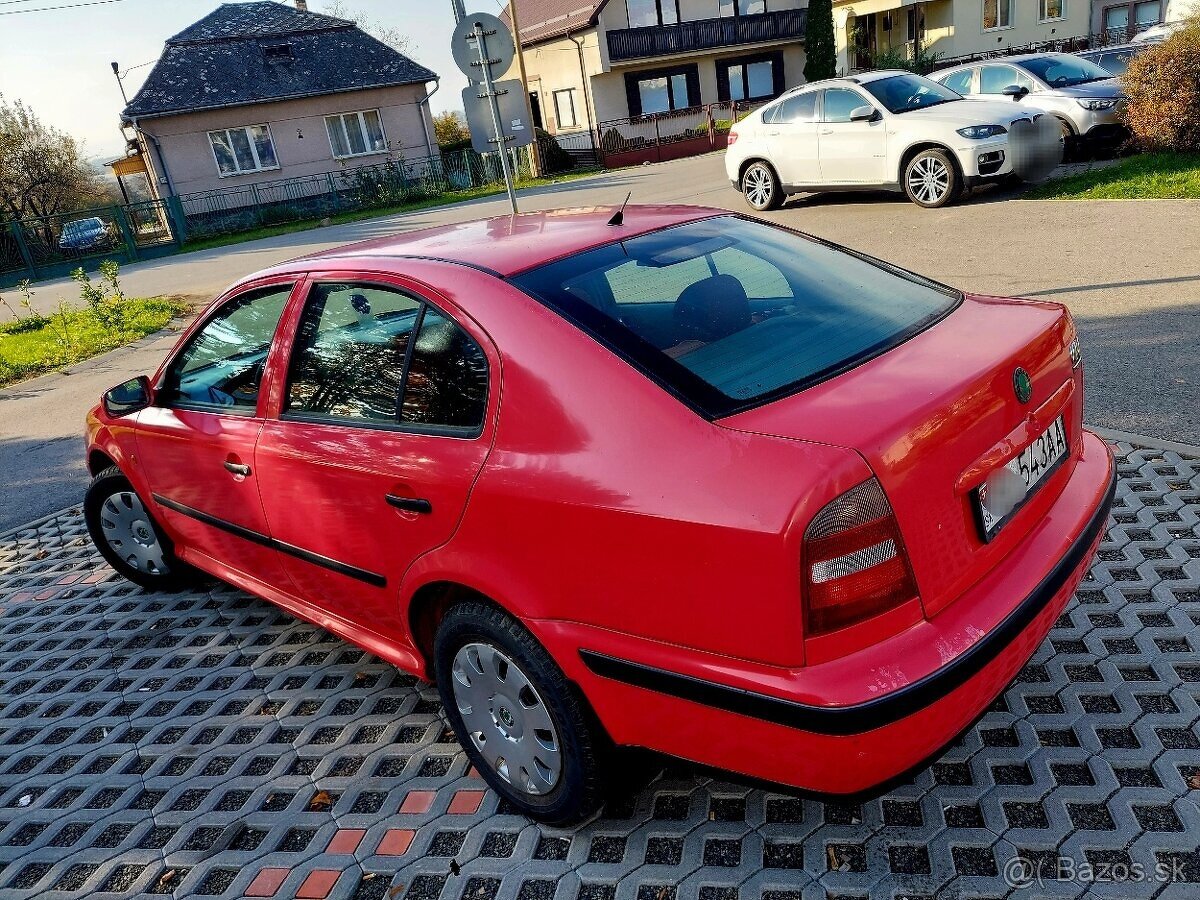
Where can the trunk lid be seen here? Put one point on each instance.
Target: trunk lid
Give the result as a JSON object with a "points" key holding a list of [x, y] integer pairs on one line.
{"points": [[938, 413]]}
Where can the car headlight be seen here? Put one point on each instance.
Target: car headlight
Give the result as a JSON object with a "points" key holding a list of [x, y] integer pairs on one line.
{"points": [[979, 132], [1098, 105]]}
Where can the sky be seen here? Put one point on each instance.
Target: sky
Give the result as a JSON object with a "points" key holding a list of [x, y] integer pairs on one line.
{"points": [[59, 61]]}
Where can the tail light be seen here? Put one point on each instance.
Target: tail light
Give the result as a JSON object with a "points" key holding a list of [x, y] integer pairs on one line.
{"points": [[733, 136], [855, 564]]}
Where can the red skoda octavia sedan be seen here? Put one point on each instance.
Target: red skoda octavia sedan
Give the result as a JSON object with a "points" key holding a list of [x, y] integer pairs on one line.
{"points": [[681, 480]]}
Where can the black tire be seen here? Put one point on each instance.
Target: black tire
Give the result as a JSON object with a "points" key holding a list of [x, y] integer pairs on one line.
{"points": [[761, 187], [931, 179], [583, 747], [171, 575]]}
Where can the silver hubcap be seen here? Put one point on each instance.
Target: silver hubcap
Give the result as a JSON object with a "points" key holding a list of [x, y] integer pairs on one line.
{"points": [[506, 719], [758, 186], [130, 534], [929, 180]]}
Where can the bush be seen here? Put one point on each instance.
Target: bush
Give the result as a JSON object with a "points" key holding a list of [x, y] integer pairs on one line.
{"points": [[898, 58], [1163, 84], [554, 157]]}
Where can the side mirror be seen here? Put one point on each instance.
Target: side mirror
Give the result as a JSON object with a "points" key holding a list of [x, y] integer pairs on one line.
{"points": [[1015, 91], [864, 114], [128, 398]]}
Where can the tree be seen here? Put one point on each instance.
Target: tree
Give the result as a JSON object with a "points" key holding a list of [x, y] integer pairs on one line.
{"points": [[389, 34], [449, 129], [42, 170], [819, 50]]}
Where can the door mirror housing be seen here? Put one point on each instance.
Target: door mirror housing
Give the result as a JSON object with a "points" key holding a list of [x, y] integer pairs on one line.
{"points": [[864, 114], [1015, 91], [128, 397]]}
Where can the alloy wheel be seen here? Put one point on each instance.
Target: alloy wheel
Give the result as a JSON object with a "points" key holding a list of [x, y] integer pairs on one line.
{"points": [[929, 179], [506, 718], [758, 187], [130, 533]]}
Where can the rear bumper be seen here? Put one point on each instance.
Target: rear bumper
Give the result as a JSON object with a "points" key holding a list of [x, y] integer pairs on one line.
{"points": [[770, 723]]}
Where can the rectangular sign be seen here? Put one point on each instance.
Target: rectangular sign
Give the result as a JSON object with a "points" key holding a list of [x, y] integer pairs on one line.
{"points": [[514, 116]]}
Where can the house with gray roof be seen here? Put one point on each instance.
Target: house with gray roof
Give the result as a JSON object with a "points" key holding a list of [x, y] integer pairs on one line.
{"points": [[262, 91]]}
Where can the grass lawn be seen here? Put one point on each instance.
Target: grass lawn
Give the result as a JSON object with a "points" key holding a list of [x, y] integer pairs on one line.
{"points": [[1147, 176], [446, 199], [73, 335]]}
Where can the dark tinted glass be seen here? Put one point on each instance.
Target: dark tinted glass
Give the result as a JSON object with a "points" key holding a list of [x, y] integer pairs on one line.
{"points": [[222, 365], [350, 352], [447, 377], [801, 108], [726, 313]]}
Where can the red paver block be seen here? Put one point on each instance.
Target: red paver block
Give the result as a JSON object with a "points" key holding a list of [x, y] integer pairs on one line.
{"points": [[418, 802], [396, 842], [466, 802], [267, 882], [346, 840], [318, 884]]}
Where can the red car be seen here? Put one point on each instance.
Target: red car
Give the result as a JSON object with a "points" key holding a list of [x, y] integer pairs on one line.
{"points": [[678, 479]]}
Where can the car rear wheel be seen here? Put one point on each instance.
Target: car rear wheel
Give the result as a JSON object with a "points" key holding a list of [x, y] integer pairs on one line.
{"points": [[930, 179], [522, 723], [761, 187], [127, 536]]}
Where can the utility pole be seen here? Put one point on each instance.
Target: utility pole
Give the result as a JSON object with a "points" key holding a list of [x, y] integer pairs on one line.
{"points": [[535, 150]]}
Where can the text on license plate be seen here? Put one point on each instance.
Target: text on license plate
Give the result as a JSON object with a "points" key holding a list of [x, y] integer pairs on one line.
{"points": [[1007, 489]]}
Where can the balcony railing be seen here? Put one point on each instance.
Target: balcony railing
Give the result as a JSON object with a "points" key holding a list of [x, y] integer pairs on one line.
{"points": [[704, 34]]}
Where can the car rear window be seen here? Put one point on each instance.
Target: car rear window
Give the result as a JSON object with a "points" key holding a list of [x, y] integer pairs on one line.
{"points": [[728, 313]]}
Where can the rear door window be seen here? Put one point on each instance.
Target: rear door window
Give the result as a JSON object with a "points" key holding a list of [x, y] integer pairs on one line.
{"points": [[726, 313], [959, 82]]}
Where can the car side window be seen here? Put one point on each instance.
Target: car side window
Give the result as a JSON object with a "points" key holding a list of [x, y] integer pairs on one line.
{"points": [[797, 109], [994, 79], [840, 102], [355, 361], [960, 82], [221, 366]]}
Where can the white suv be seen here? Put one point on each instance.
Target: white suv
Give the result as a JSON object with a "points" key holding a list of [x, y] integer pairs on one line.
{"points": [[889, 130]]}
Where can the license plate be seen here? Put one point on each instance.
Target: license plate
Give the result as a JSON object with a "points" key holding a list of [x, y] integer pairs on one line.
{"points": [[1006, 490]]}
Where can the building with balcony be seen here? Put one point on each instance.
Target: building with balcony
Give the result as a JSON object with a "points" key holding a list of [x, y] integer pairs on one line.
{"points": [[591, 62]]}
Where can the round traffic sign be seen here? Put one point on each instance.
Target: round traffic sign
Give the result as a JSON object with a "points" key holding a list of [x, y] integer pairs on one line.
{"points": [[497, 40]]}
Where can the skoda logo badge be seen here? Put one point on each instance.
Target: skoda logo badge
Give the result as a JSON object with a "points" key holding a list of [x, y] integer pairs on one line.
{"points": [[1022, 385]]}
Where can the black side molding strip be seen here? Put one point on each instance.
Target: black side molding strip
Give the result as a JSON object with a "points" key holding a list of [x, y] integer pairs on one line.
{"points": [[263, 540], [863, 717]]}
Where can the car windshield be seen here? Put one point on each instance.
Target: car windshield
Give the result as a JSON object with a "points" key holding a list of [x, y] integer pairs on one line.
{"points": [[1061, 70], [728, 313], [904, 93]]}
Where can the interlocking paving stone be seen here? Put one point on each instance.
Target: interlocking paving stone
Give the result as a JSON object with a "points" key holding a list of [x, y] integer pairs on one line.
{"points": [[208, 744]]}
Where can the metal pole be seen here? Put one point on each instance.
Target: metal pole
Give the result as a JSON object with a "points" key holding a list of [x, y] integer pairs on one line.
{"points": [[485, 67], [535, 157], [456, 7]]}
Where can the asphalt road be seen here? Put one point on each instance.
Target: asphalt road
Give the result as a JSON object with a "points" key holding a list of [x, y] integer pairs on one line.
{"points": [[1128, 270]]}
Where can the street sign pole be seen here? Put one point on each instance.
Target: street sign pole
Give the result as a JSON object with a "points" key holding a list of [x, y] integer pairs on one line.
{"points": [[459, 13], [485, 68]]}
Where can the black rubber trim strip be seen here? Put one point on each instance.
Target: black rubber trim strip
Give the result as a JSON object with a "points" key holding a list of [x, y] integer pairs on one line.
{"points": [[255, 537], [886, 710]]}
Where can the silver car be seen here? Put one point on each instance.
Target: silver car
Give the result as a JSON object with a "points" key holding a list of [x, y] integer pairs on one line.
{"points": [[1086, 99]]}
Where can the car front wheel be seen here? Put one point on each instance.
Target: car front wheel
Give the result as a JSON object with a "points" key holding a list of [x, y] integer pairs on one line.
{"points": [[522, 723], [761, 187], [930, 179]]}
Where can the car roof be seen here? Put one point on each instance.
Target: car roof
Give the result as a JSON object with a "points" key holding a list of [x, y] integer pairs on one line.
{"points": [[845, 80], [1012, 58], [506, 245], [1113, 47]]}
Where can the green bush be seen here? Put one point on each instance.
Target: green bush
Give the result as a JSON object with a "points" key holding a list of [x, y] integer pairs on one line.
{"points": [[554, 157], [898, 58], [1163, 84]]}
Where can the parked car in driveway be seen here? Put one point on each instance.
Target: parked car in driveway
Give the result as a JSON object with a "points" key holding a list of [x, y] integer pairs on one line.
{"points": [[1114, 59], [85, 234], [880, 130], [1084, 98], [671, 478]]}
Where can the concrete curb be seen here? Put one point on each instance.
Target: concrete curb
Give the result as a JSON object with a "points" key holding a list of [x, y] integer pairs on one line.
{"points": [[1141, 440]]}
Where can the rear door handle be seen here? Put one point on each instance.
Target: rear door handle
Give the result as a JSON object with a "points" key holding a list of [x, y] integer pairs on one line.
{"points": [[826, 131], [237, 469], [409, 504]]}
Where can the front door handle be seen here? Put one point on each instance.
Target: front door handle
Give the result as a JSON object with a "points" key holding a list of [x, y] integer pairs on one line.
{"points": [[409, 504], [827, 131], [237, 469]]}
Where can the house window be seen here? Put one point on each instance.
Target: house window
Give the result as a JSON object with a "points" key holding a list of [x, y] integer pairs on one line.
{"points": [[1049, 10], [241, 150], [356, 133], [742, 7], [564, 108], [750, 77], [652, 12], [997, 14], [662, 90], [1126, 19]]}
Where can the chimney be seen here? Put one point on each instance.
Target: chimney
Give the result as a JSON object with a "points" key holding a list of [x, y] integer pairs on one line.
{"points": [[302, 5]]}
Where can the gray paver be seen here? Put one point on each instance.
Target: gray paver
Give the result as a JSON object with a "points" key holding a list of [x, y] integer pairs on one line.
{"points": [[181, 744]]}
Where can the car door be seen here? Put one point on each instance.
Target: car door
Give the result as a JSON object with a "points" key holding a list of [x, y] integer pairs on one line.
{"points": [[384, 422], [196, 443], [994, 78], [851, 152], [792, 139]]}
